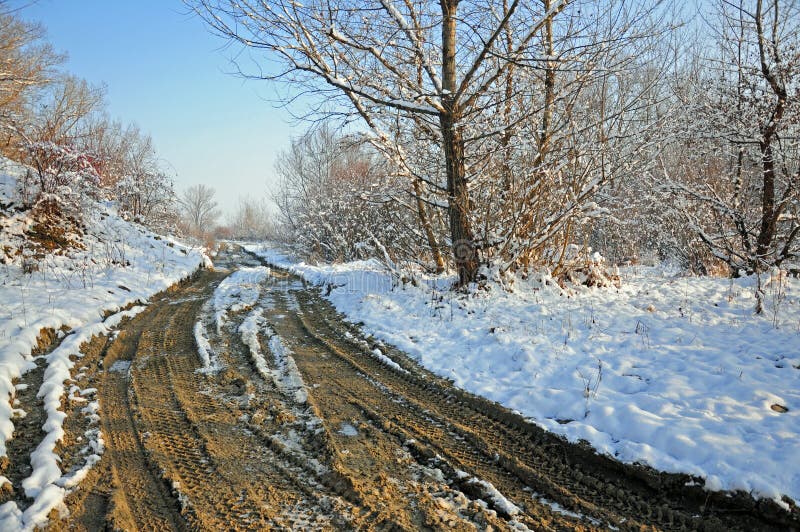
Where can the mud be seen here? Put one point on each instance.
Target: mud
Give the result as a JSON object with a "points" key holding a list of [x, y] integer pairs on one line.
{"points": [[28, 418], [306, 429]]}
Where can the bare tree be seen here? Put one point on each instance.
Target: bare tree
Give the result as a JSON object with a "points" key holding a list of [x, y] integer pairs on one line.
{"points": [[251, 220], [26, 60], [26, 64], [199, 209], [416, 61], [61, 112], [446, 74], [585, 129]]}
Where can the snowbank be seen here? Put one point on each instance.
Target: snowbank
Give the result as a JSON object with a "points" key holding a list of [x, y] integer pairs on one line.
{"points": [[675, 372]]}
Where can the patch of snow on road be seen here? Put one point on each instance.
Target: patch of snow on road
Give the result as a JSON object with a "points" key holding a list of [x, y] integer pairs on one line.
{"points": [[672, 371], [387, 361], [249, 329], [557, 508], [115, 319], [207, 355], [93, 450], [286, 377], [291, 443], [289, 379], [239, 291], [348, 430], [120, 366], [491, 493]]}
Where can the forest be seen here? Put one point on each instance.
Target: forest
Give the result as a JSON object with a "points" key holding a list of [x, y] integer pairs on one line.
{"points": [[481, 137]]}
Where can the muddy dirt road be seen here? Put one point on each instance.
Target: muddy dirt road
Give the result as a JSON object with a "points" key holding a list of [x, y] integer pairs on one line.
{"points": [[299, 421]]}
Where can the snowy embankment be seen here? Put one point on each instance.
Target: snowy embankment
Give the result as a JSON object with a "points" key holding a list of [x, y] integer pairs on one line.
{"points": [[121, 263], [671, 371]]}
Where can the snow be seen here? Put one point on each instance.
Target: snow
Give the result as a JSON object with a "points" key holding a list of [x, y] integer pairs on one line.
{"points": [[239, 291], [348, 430], [207, 355], [249, 330], [288, 378], [388, 361], [236, 293], [672, 371], [120, 366], [122, 264], [488, 491]]}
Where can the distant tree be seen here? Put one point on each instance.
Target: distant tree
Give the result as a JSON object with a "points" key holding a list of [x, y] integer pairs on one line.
{"points": [[223, 232], [200, 211], [251, 220]]}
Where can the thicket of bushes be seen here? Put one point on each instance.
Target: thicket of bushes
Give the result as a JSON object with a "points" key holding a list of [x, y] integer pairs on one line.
{"points": [[487, 136]]}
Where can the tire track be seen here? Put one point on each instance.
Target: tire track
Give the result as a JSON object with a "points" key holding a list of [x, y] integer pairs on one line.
{"points": [[222, 473], [440, 423], [494, 444], [349, 392], [363, 445], [140, 500]]}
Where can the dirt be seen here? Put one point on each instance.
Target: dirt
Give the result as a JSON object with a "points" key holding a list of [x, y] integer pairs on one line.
{"points": [[367, 446], [27, 421]]}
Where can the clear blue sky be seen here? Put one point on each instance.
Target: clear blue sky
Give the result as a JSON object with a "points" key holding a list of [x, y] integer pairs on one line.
{"points": [[166, 72]]}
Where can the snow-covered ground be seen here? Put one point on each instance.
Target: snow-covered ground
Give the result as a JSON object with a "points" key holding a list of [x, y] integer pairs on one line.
{"points": [[672, 371], [121, 264]]}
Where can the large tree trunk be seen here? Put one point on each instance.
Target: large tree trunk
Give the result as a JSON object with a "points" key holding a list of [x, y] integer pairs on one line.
{"points": [[465, 253], [769, 217], [543, 142]]}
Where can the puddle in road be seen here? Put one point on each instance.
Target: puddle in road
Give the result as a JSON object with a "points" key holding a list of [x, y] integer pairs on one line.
{"points": [[348, 430], [120, 366]]}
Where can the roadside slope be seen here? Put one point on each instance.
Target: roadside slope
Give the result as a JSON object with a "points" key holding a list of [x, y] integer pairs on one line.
{"points": [[52, 303]]}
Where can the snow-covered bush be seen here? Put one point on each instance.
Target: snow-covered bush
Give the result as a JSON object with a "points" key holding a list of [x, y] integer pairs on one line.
{"points": [[334, 201], [147, 197], [58, 170]]}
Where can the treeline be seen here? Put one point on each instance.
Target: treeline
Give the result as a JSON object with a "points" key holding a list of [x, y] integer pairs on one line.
{"points": [[57, 124], [495, 136]]}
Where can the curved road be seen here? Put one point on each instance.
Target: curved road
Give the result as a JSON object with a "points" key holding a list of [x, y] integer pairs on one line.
{"points": [[307, 427]]}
